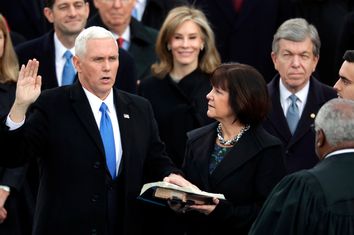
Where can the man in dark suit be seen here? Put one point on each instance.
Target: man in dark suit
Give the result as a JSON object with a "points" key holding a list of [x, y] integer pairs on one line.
{"points": [[295, 53], [49, 49], [138, 40], [78, 193], [319, 200]]}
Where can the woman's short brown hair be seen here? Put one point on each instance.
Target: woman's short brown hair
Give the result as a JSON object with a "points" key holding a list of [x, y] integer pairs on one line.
{"points": [[248, 94]]}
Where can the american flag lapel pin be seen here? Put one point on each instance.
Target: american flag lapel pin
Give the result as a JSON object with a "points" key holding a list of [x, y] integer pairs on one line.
{"points": [[126, 116]]}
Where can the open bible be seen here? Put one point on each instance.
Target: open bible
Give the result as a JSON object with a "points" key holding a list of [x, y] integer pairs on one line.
{"points": [[159, 192]]}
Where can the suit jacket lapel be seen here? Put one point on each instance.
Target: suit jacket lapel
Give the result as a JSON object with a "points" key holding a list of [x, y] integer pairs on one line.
{"points": [[276, 116], [48, 62], [124, 120], [202, 153], [83, 111]]}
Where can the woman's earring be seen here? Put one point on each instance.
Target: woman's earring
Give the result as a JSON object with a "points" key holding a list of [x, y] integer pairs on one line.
{"points": [[168, 47], [202, 47]]}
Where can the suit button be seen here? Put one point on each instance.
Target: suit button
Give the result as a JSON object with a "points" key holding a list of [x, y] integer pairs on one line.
{"points": [[96, 165]]}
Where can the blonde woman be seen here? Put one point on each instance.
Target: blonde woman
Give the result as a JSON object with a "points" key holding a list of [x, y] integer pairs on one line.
{"points": [[187, 55]]}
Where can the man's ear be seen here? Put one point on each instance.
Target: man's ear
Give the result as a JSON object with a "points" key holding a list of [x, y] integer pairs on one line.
{"points": [[48, 13], [274, 59], [77, 63], [321, 138]]}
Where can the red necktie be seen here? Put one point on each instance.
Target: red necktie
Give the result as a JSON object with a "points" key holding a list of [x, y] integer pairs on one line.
{"points": [[237, 5], [120, 42]]}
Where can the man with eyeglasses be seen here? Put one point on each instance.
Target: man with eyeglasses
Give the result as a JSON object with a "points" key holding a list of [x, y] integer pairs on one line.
{"points": [[137, 39], [345, 84]]}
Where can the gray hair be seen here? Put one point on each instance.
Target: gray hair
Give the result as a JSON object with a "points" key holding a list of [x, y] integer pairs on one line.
{"points": [[94, 32], [297, 30], [336, 119]]}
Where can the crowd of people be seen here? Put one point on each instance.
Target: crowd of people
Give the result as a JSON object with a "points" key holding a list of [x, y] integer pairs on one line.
{"points": [[103, 96]]}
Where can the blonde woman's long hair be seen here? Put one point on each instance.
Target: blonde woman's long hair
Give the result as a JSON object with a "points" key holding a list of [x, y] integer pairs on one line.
{"points": [[209, 57], [9, 67]]}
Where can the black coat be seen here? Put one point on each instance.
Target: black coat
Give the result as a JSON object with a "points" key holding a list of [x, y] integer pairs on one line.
{"points": [[315, 201], [20, 202], [246, 175], [75, 183], [178, 107]]}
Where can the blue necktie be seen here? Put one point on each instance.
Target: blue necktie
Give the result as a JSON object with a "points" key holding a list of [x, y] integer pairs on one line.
{"points": [[292, 115], [68, 70], [107, 136]]}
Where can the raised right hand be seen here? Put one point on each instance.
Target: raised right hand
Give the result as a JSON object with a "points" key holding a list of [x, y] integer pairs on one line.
{"points": [[27, 91]]}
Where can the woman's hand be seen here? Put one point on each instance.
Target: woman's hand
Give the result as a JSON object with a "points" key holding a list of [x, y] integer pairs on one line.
{"points": [[205, 209]]}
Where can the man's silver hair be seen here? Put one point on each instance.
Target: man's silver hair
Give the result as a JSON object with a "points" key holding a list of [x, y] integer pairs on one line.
{"points": [[297, 30], [94, 32], [336, 119]]}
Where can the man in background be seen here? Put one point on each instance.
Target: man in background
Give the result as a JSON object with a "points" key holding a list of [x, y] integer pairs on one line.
{"points": [[345, 84], [296, 95]]}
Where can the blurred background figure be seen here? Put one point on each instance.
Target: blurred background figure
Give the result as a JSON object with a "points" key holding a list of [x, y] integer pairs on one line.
{"points": [[16, 197], [328, 16], [132, 35], [151, 13], [25, 17], [234, 156], [345, 39], [296, 95], [345, 84], [244, 29], [187, 56], [319, 200]]}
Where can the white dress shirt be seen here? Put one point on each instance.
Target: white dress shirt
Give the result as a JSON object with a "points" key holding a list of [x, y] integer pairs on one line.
{"points": [[285, 100], [95, 104]]}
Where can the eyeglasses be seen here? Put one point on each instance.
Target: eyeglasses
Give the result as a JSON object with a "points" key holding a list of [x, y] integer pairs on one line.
{"points": [[124, 2]]}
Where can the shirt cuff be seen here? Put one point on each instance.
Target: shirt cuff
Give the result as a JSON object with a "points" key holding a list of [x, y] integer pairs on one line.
{"points": [[14, 125], [5, 188]]}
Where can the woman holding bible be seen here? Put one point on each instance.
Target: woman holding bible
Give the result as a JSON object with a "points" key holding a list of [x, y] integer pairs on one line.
{"points": [[233, 156]]}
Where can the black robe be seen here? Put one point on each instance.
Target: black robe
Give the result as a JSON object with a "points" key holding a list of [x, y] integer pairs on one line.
{"points": [[315, 201]]}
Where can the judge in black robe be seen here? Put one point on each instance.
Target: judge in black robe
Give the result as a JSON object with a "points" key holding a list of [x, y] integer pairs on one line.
{"points": [[319, 200]]}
